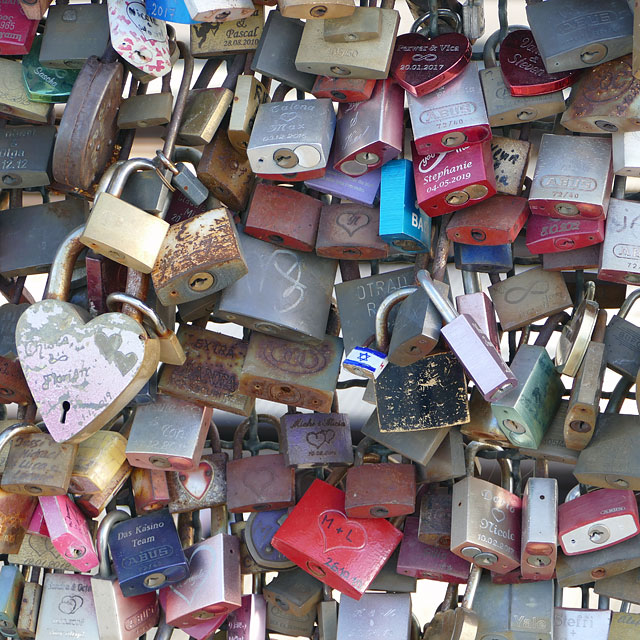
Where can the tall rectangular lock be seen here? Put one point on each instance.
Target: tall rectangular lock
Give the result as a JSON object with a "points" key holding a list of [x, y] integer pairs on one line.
{"points": [[620, 251]]}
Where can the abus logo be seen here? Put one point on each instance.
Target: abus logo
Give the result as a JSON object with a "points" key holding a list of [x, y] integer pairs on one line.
{"points": [[446, 112], [568, 182], [626, 251], [424, 57]]}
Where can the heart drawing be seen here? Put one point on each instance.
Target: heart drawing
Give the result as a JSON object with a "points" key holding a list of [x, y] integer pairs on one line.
{"points": [[319, 438], [352, 222], [197, 481], [188, 588], [497, 514], [338, 532]]}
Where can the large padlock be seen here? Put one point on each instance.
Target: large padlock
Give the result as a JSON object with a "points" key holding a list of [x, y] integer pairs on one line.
{"points": [[621, 247], [486, 518]]}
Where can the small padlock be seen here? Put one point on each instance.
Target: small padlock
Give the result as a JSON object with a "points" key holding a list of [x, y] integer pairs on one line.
{"points": [[343, 89], [15, 101], [249, 95], [510, 162], [147, 109], [150, 489], [25, 155], [209, 39]]}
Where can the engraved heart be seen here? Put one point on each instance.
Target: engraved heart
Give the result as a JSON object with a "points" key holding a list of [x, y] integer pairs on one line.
{"points": [[351, 222], [82, 375], [497, 514], [338, 532], [191, 586], [318, 438], [256, 482], [196, 482], [70, 604], [420, 65], [523, 70], [289, 116]]}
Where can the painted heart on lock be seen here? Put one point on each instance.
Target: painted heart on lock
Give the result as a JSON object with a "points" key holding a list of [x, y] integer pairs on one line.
{"points": [[82, 375], [421, 65], [523, 70], [339, 532], [196, 482], [188, 588], [351, 222]]}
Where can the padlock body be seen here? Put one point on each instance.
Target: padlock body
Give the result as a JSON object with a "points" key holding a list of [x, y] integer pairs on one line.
{"points": [[249, 95], [356, 618], [284, 622], [483, 259], [343, 89], [480, 308], [17, 31], [150, 489], [202, 487], [15, 101], [258, 532], [149, 110], [25, 154], [624, 586], [295, 592], [510, 162], [219, 10], [549, 235], [11, 588], [97, 462], [434, 524], [621, 246], [203, 114], [208, 39], [249, 621]]}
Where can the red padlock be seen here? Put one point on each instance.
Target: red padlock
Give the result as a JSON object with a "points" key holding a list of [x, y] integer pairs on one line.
{"points": [[16, 30], [491, 222], [446, 182], [300, 176], [343, 89], [344, 553], [551, 235], [597, 520]]}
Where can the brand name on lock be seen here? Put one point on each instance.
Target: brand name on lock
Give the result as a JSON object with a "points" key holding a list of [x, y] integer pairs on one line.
{"points": [[449, 111], [568, 182], [148, 556], [588, 21]]}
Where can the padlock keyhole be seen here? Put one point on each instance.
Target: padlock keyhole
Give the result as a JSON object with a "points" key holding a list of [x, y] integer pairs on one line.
{"points": [[66, 405]]}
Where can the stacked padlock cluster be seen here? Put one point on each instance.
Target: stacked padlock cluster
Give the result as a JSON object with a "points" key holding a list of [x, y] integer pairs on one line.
{"points": [[116, 495]]}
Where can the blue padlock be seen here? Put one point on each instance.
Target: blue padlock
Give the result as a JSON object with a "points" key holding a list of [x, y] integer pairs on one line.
{"points": [[483, 259]]}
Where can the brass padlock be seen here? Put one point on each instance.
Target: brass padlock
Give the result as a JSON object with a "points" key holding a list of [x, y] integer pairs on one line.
{"points": [[309, 9], [147, 109], [14, 100], [249, 95], [209, 39]]}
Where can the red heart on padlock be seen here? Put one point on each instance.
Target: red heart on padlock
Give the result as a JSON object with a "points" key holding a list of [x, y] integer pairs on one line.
{"points": [[523, 70], [196, 481], [339, 532], [420, 65]]}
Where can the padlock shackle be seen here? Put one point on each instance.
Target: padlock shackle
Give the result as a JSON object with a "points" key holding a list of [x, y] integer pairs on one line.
{"points": [[241, 430], [361, 449], [506, 468], [472, 586], [171, 134], [280, 93], [573, 494], [233, 71], [619, 187], [125, 171], [102, 540], [188, 154], [619, 395], [471, 282], [629, 301], [447, 15], [148, 313], [16, 430], [214, 437], [107, 176], [164, 631], [489, 51], [383, 338], [58, 285], [450, 597], [549, 327], [444, 307]]}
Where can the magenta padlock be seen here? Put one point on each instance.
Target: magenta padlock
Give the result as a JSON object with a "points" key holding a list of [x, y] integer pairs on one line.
{"points": [[16, 30], [479, 357], [446, 182], [37, 524], [551, 235], [424, 561], [370, 133], [202, 630], [69, 532]]}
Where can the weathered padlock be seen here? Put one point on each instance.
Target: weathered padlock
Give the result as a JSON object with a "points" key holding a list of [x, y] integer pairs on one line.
{"points": [[97, 461], [146, 553], [77, 412], [295, 592], [485, 520], [434, 524], [597, 520], [548, 235], [259, 482], [119, 618], [580, 34], [446, 182], [460, 102], [621, 247], [147, 109], [344, 553], [620, 340], [309, 9], [260, 528], [580, 188], [503, 107], [14, 101], [249, 95], [69, 531], [168, 434], [286, 293], [92, 504], [285, 622], [25, 155], [510, 162], [623, 586], [383, 490], [150, 489], [210, 39], [296, 224], [214, 563], [389, 613], [371, 133], [533, 294], [11, 591], [525, 412], [30, 603], [38, 551]]}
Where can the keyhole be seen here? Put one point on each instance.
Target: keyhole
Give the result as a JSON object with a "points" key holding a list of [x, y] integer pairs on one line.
{"points": [[65, 408]]}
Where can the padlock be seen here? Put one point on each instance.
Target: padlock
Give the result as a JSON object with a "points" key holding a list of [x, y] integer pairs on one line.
{"points": [[39, 551], [360, 26], [383, 490], [539, 528], [119, 617], [38, 466], [173, 10], [510, 162], [625, 160], [275, 54], [503, 107], [93, 504], [514, 610], [73, 34], [623, 624], [34, 10], [459, 102], [483, 425], [209, 39], [249, 95], [562, 189], [434, 523], [343, 89], [427, 562], [315, 439], [249, 621], [210, 375], [621, 246], [483, 259], [88, 128], [595, 106], [447, 463], [219, 11], [72, 415], [147, 109], [578, 34], [260, 528], [620, 341], [369, 134], [11, 590], [168, 434], [25, 155], [14, 101], [533, 294], [204, 486], [574, 259], [310, 9], [443, 57], [485, 520], [485, 367], [296, 225], [623, 586], [364, 59], [548, 235], [258, 482], [69, 531], [146, 553], [525, 412], [284, 622], [446, 182], [294, 592], [327, 616], [495, 221], [349, 231], [478, 305], [150, 489], [97, 462], [214, 562], [388, 613], [320, 539], [597, 520], [29, 605], [584, 403], [280, 291]]}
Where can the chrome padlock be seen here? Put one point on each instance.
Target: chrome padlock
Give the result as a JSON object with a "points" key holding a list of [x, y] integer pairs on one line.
{"points": [[567, 621], [621, 341], [388, 613], [626, 161], [620, 252]]}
